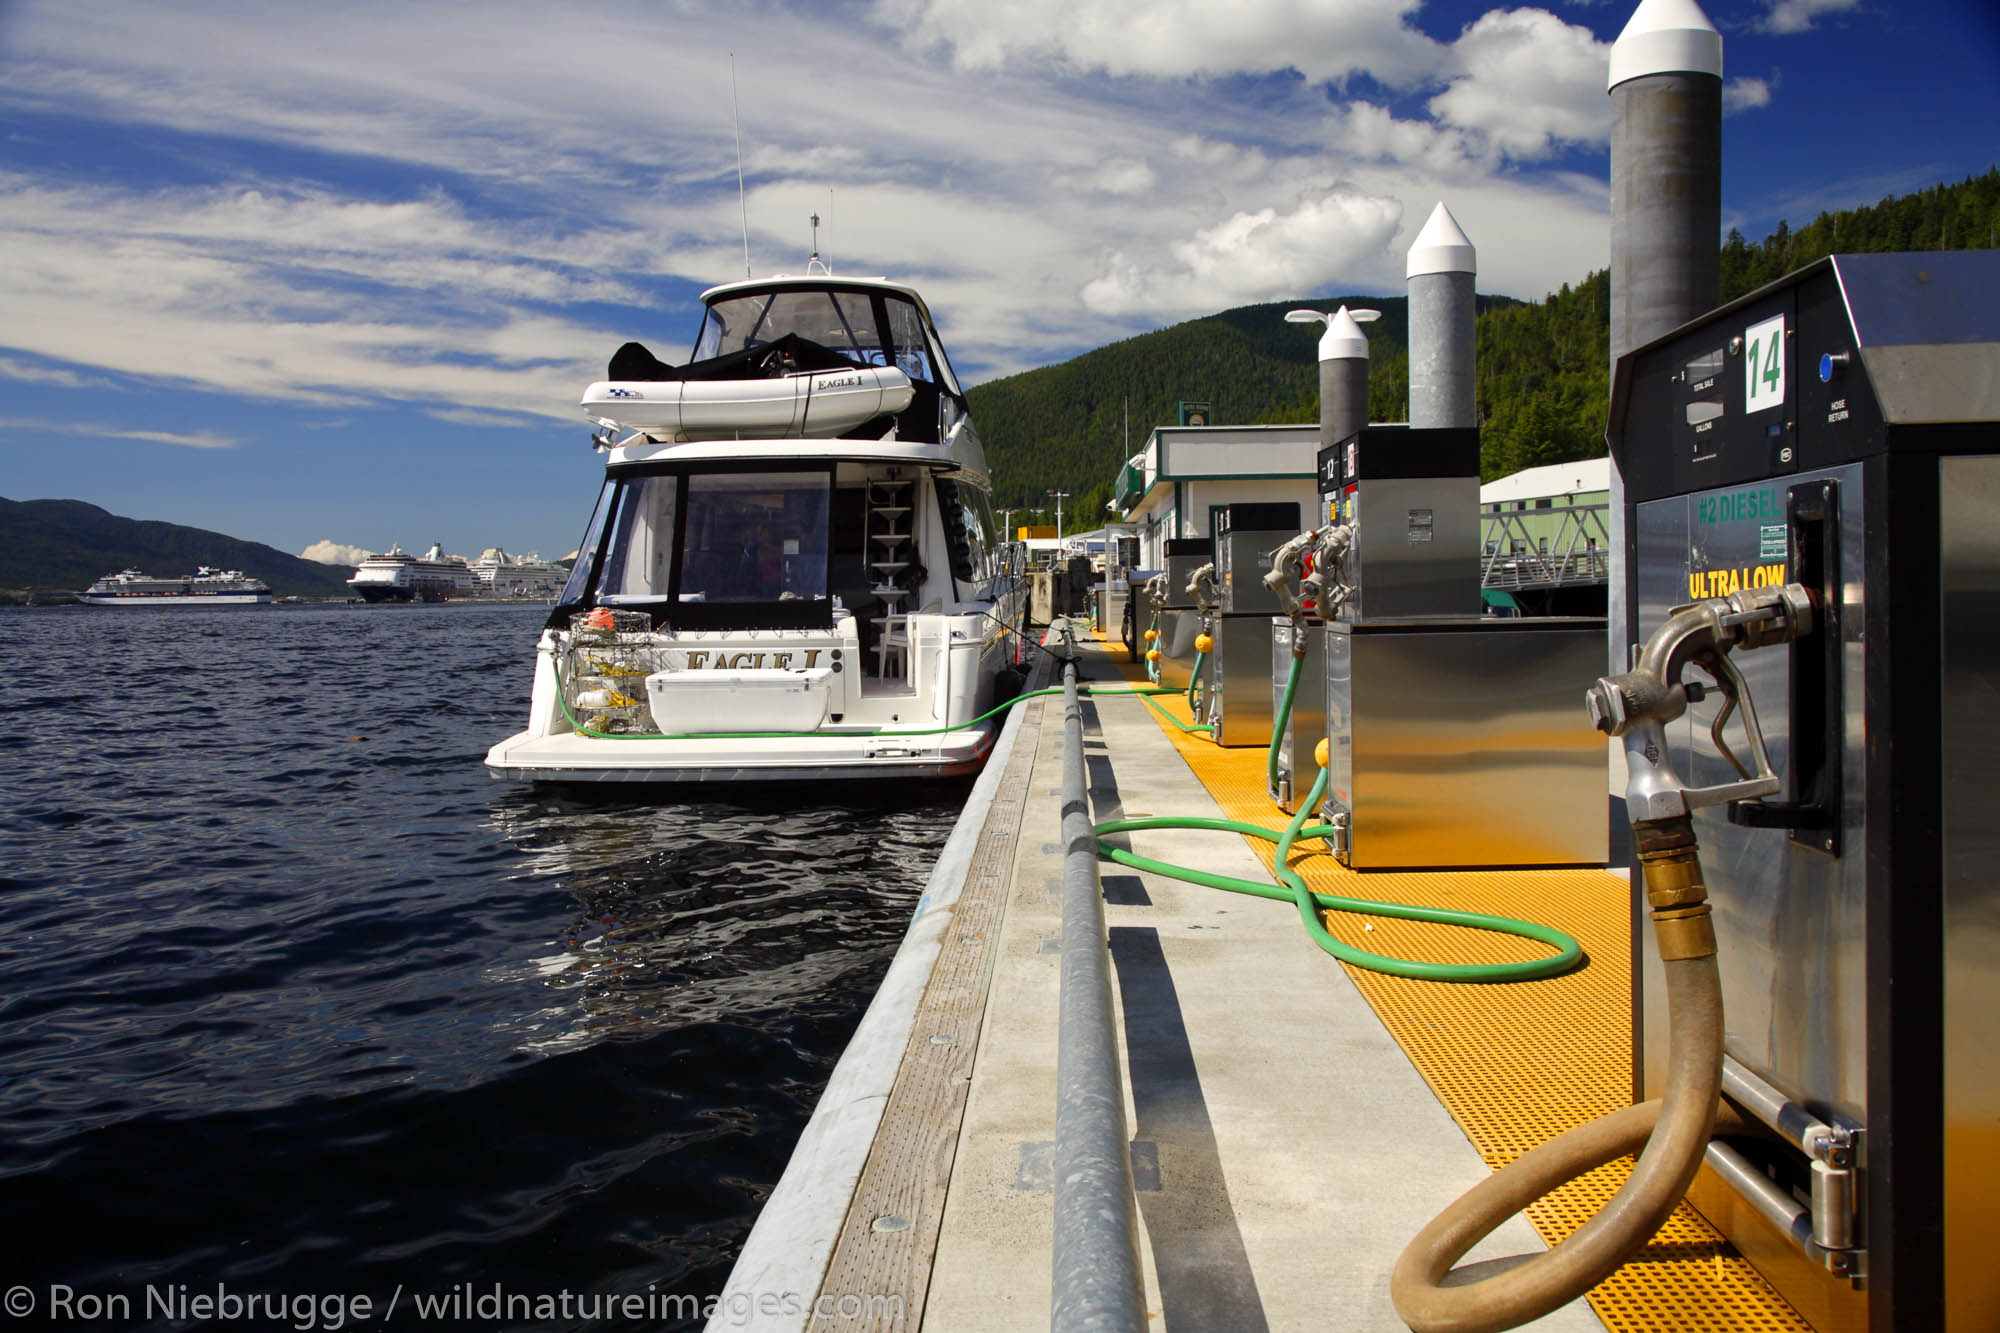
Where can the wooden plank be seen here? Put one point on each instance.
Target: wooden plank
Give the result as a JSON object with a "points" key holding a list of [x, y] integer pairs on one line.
{"points": [[879, 1274]]}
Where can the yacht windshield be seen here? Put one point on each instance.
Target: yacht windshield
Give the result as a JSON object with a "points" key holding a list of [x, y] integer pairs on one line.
{"points": [[843, 322]]}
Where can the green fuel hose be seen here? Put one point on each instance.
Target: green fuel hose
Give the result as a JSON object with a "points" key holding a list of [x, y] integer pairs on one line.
{"points": [[1296, 891], [1194, 676], [1187, 729], [1284, 714], [562, 700]]}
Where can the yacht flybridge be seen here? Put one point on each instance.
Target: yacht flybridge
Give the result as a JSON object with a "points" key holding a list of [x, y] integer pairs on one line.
{"points": [[793, 569]]}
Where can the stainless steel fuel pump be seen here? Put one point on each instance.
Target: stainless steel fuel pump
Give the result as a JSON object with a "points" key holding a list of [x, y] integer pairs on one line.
{"points": [[1675, 1129]]}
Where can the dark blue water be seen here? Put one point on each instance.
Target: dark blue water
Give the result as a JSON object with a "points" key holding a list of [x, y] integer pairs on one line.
{"points": [[296, 1001]]}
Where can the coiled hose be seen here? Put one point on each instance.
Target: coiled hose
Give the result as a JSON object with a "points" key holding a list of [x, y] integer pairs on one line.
{"points": [[1674, 1129], [1295, 890]]}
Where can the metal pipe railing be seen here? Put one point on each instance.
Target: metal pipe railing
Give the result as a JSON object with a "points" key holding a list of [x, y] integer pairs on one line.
{"points": [[1096, 1283]]}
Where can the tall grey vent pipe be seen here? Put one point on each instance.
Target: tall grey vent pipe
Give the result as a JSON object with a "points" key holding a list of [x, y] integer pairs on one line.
{"points": [[1666, 171], [1666, 216], [1343, 371], [1441, 270]]}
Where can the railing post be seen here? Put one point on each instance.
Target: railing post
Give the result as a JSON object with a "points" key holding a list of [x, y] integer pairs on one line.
{"points": [[1096, 1283]]}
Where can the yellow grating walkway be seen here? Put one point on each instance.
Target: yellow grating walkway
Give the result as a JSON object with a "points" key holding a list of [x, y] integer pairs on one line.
{"points": [[1515, 1064]]}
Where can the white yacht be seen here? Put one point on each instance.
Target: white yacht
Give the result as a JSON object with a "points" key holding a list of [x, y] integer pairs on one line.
{"points": [[793, 569], [398, 576]]}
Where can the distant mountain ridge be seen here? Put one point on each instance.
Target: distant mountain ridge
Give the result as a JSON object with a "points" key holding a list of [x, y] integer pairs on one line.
{"points": [[70, 544]]}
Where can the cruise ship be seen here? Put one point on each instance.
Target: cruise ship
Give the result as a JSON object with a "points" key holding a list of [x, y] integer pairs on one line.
{"points": [[503, 575], [398, 576], [204, 587]]}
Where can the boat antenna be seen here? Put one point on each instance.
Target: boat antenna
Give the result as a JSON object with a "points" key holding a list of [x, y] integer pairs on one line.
{"points": [[815, 262], [741, 203]]}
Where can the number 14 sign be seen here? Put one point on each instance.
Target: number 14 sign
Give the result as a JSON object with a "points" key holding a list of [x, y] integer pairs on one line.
{"points": [[1764, 365]]}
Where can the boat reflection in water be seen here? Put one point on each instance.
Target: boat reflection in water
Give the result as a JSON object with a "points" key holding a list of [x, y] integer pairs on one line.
{"points": [[759, 912]]}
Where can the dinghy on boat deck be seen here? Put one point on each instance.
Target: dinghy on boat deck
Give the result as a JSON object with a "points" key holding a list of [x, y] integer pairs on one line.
{"points": [[786, 388], [817, 403]]}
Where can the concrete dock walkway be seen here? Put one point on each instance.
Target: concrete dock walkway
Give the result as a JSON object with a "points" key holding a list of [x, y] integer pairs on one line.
{"points": [[1293, 1121], [1284, 1147]]}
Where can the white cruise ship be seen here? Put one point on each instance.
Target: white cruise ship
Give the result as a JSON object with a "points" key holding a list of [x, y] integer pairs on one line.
{"points": [[503, 575], [398, 576], [204, 587]]}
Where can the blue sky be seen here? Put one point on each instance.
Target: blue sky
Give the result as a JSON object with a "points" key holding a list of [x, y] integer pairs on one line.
{"points": [[339, 273]]}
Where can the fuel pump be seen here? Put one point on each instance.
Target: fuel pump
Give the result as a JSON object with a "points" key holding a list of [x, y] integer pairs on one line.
{"points": [[1453, 738], [1298, 654], [1672, 1132], [1177, 615], [1817, 465], [1246, 535]]}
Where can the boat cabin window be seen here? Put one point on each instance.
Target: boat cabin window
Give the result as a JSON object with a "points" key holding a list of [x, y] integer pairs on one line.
{"points": [[971, 536], [586, 550], [639, 562], [756, 537], [717, 550]]}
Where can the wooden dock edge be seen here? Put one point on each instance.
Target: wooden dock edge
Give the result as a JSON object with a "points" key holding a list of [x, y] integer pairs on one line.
{"points": [[885, 1128]]}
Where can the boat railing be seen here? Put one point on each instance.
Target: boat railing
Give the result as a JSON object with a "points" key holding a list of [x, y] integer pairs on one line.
{"points": [[1095, 1272]]}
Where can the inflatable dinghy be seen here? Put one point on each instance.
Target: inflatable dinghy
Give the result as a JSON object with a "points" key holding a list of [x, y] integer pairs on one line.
{"points": [[786, 388], [817, 404]]}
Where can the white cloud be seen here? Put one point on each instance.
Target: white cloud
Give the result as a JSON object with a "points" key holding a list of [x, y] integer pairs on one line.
{"points": [[1527, 82], [1789, 16], [1322, 39], [1251, 257], [1745, 94], [13, 369], [1040, 209], [92, 430], [335, 553]]}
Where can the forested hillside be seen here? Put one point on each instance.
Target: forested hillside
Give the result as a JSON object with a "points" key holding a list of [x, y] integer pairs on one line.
{"points": [[70, 544], [1063, 427], [1542, 368]]}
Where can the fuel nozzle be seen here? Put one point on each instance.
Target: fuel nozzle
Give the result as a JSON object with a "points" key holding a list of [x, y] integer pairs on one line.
{"points": [[1637, 705], [1326, 582], [1201, 587], [1287, 563]]}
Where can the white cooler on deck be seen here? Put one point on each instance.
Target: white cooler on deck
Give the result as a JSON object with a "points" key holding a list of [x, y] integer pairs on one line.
{"points": [[750, 699]]}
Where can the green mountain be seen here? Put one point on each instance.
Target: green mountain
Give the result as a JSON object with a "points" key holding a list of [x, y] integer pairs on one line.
{"points": [[1542, 366], [1063, 426], [70, 544]]}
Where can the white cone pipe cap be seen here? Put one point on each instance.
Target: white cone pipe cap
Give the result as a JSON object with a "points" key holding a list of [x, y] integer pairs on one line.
{"points": [[1441, 247], [1666, 37], [1343, 339]]}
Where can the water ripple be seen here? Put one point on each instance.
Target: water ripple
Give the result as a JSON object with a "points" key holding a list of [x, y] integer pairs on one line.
{"points": [[296, 998]]}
